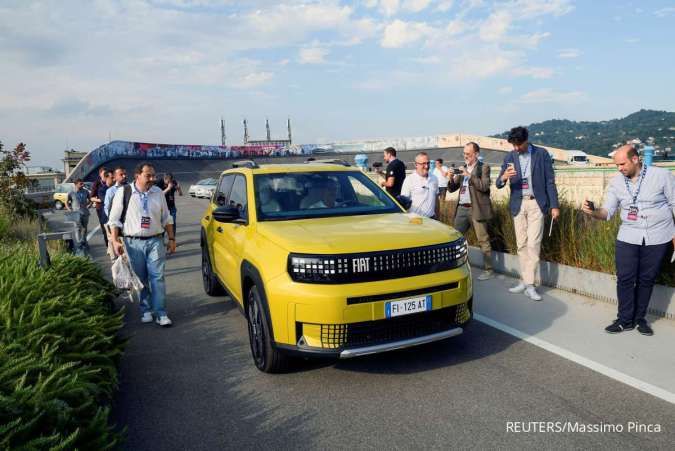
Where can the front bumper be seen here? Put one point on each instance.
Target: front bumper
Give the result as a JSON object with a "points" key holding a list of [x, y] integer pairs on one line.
{"points": [[402, 344]]}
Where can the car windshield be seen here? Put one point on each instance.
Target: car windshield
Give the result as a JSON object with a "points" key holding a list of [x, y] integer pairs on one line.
{"points": [[207, 182], [302, 195]]}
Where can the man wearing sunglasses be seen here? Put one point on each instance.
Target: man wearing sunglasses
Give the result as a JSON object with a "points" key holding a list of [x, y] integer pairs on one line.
{"points": [[421, 188]]}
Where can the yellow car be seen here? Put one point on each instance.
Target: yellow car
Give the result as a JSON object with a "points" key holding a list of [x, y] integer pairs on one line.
{"points": [[323, 262], [61, 195]]}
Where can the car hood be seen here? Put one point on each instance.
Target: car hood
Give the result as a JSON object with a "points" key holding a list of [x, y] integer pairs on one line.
{"points": [[349, 234]]}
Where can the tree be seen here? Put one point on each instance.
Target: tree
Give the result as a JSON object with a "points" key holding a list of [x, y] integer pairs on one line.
{"points": [[13, 182]]}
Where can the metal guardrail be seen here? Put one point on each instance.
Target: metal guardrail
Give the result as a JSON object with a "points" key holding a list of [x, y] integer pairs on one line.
{"points": [[68, 230]]}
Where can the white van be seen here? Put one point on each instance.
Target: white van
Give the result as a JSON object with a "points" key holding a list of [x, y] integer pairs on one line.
{"points": [[577, 158]]}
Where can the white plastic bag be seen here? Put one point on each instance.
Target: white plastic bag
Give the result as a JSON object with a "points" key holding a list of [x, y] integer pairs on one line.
{"points": [[124, 276]]}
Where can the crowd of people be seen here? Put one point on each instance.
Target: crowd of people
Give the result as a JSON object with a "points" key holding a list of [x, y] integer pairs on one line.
{"points": [[643, 196]]}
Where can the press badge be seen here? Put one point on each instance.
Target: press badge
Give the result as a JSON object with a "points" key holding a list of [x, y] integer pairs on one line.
{"points": [[632, 213], [525, 184], [145, 222]]}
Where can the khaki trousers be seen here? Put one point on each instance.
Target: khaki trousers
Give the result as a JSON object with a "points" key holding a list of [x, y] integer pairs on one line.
{"points": [[463, 220], [529, 227]]}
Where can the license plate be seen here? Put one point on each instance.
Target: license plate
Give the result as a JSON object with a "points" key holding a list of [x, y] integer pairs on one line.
{"points": [[407, 306]]}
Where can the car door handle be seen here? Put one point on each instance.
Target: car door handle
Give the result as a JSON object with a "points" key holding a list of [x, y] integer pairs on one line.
{"points": [[219, 230]]}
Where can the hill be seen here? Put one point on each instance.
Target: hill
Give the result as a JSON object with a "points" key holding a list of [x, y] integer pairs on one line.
{"points": [[598, 138]]}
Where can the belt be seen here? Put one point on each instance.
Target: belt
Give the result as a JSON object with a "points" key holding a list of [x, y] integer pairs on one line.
{"points": [[144, 237], [529, 197], [465, 205]]}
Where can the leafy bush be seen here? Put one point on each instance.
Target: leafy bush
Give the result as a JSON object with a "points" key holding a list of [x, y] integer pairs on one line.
{"points": [[576, 240], [58, 352]]}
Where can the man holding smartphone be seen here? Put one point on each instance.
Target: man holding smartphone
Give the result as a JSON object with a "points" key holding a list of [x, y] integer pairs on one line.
{"points": [[474, 207], [645, 199], [529, 172]]}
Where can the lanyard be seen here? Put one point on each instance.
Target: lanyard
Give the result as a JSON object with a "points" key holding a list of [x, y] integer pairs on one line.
{"points": [[144, 199], [628, 188], [523, 172]]}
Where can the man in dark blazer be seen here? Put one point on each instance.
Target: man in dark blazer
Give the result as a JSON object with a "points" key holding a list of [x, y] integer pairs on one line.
{"points": [[474, 207], [528, 171]]}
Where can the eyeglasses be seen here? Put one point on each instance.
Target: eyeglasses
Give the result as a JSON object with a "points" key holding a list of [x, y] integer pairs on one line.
{"points": [[426, 163]]}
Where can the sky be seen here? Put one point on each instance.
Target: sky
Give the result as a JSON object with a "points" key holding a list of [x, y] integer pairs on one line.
{"points": [[76, 74]]}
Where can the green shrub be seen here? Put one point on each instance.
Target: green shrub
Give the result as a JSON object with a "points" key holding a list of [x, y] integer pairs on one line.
{"points": [[58, 352], [576, 240]]}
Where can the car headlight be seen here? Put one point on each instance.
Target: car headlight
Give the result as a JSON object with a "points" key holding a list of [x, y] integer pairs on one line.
{"points": [[381, 265]]}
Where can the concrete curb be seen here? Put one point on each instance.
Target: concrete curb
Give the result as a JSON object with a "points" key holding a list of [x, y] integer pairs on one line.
{"points": [[596, 285]]}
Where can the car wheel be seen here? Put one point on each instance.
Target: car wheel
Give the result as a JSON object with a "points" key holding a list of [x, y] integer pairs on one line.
{"points": [[58, 205], [212, 285], [266, 358]]}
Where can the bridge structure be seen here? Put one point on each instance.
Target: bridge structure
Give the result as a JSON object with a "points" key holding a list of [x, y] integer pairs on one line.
{"points": [[206, 160]]}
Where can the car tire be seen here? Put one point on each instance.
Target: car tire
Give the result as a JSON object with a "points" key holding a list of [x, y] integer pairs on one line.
{"points": [[212, 285], [266, 358], [58, 205]]}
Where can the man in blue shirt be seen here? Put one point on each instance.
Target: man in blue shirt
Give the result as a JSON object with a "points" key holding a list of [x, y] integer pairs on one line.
{"points": [[529, 172], [645, 199]]}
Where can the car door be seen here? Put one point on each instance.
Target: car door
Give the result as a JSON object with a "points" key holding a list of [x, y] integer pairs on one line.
{"points": [[219, 199], [230, 237]]}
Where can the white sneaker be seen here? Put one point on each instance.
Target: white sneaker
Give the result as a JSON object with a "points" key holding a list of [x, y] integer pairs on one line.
{"points": [[487, 274], [163, 321], [531, 293], [518, 288], [147, 317]]}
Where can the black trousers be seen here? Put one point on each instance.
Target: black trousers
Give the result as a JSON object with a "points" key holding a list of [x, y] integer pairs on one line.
{"points": [[102, 219], [636, 269]]}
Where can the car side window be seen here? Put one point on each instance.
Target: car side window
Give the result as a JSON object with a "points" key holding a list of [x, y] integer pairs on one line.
{"points": [[224, 188], [238, 196]]}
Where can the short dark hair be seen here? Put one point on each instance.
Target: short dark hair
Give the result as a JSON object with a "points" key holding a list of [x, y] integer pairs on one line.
{"points": [[476, 147], [391, 151], [440, 160], [101, 169], [632, 152], [120, 168], [78, 181], [107, 173], [140, 166], [518, 135]]}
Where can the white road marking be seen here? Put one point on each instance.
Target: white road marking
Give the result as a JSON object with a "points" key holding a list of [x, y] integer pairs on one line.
{"points": [[93, 232], [595, 366]]}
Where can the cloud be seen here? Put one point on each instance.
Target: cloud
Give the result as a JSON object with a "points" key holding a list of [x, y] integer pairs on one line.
{"points": [[426, 60], [444, 5], [569, 53], [665, 12], [400, 34], [547, 95], [389, 7], [504, 90], [496, 26], [631, 40], [313, 55], [253, 80], [73, 106], [528, 9], [415, 6], [534, 72]]}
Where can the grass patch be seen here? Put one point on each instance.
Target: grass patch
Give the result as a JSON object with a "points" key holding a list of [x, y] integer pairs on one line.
{"points": [[58, 352]]}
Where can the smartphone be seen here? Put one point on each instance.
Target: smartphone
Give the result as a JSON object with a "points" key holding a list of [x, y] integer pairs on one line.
{"points": [[591, 205], [511, 166]]}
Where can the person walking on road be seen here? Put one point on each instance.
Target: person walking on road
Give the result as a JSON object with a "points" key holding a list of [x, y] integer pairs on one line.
{"points": [[170, 188], [645, 199], [395, 172], [96, 200], [120, 178], [474, 207], [441, 173], [529, 172], [421, 188], [140, 215], [78, 202]]}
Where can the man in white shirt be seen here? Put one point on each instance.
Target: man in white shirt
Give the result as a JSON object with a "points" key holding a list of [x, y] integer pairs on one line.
{"points": [[143, 222], [421, 188], [441, 174]]}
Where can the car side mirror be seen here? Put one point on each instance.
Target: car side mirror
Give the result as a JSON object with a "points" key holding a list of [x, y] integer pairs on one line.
{"points": [[227, 214]]}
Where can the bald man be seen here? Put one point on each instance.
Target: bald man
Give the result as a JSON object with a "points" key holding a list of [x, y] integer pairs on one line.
{"points": [[645, 199]]}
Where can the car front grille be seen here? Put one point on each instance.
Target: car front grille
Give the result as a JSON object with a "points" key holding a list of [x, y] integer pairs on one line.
{"points": [[368, 333]]}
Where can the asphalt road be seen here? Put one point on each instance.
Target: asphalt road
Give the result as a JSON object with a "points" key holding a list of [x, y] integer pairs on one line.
{"points": [[193, 386]]}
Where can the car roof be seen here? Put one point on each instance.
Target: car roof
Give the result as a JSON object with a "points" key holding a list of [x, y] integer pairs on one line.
{"points": [[294, 167]]}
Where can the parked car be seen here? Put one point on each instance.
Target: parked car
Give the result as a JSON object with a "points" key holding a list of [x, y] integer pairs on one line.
{"points": [[61, 194], [323, 262], [203, 188]]}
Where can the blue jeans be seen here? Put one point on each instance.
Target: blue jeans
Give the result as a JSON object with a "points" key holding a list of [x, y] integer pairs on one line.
{"points": [[173, 215], [147, 258]]}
